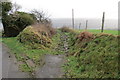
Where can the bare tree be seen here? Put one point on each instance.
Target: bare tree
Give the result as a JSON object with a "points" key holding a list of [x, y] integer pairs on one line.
{"points": [[15, 8], [41, 16]]}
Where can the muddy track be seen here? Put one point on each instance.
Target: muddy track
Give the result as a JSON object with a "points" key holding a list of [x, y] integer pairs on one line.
{"points": [[51, 69], [9, 65], [64, 39], [53, 63]]}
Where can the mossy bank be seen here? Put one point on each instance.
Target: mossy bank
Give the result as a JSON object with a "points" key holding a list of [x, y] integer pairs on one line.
{"points": [[92, 56]]}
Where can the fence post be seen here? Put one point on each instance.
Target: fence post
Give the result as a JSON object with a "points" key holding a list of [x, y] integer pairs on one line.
{"points": [[103, 20], [86, 24], [79, 25], [73, 18]]}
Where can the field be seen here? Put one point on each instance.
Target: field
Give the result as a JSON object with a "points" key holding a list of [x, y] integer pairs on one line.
{"points": [[114, 32]]}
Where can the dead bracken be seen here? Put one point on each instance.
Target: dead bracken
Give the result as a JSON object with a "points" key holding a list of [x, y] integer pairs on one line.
{"points": [[85, 36], [36, 36]]}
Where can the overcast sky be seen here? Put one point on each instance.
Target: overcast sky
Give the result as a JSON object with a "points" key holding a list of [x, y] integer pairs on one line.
{"points": [[82, 8]]}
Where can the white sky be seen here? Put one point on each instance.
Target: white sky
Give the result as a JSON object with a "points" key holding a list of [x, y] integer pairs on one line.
{"points": [[82, 8]]}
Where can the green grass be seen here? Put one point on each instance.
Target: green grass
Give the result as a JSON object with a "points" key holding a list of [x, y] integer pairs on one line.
{"points": [[92, 60], [114, 32], [95, 59], [55, 42], [58, 43], [23, 52], [25, 68], [31, 45]]}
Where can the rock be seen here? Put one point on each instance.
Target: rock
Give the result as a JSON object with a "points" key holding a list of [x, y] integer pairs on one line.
{"points": [[30, 63]]}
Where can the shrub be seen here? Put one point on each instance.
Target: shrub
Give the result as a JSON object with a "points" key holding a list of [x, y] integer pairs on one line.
{"points": [[45, 28], [23, 20], [85, 36], [15, 23], [36, 36], [67, 29]]}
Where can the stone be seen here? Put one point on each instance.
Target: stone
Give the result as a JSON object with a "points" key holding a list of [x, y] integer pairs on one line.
{"points": [[30, 63]]}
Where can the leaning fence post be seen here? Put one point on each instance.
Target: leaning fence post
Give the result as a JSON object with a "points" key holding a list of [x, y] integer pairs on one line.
{"points": [[103, 20]]}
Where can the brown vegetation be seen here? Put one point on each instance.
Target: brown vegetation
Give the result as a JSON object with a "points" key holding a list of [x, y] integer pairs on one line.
{"points": [[85, 36], [44, 29], [37, 36], [67, 29]]}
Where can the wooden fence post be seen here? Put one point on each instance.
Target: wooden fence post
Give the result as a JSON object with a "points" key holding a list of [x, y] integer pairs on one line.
{"points": [[79, 25], [73, 18], [103, 20], [86, 24]]}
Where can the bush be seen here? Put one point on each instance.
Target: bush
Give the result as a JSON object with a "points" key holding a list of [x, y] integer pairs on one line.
{"points": [[24, 20], [16, 23], [85, 36], [45, 28], [36, 36], [6, 7], [67, 29]]}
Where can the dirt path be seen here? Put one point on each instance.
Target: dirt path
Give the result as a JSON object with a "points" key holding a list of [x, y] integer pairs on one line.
{"points": [[64, 39], [9, 66], [52, 67], [53, 63]]}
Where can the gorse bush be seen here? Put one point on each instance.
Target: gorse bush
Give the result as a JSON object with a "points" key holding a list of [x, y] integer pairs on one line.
{"points": [[17, 23], [14, 22], [23, 20]]}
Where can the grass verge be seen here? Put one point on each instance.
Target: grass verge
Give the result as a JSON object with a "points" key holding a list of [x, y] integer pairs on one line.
{"points": [[23, 53], [97, 58]]}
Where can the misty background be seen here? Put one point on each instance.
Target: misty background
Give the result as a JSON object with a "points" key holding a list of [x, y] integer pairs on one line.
{"points": [[110, 24], [60, 12]]}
